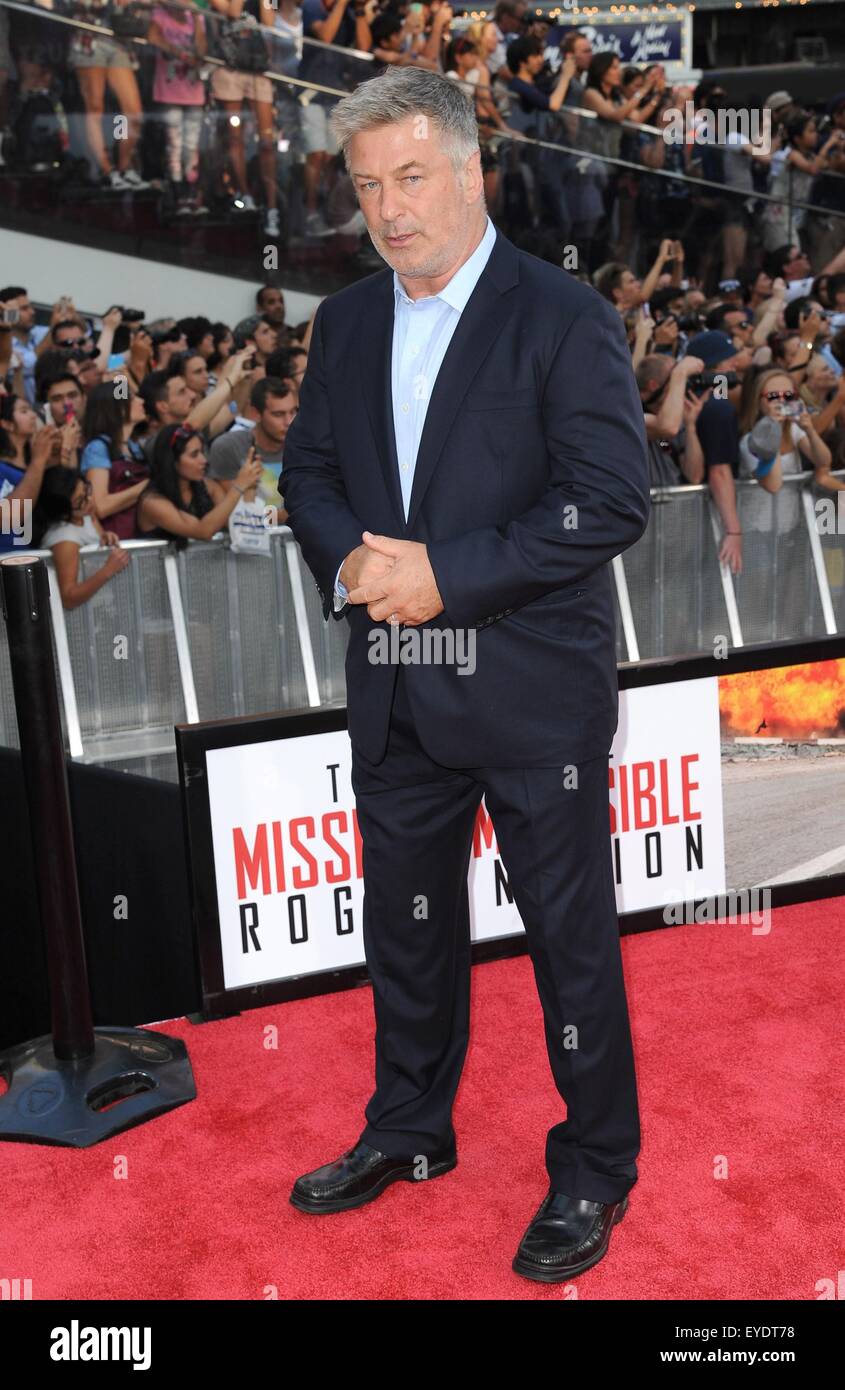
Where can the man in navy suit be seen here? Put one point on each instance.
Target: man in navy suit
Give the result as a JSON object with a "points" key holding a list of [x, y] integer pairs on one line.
{"points": [[468, 456]]}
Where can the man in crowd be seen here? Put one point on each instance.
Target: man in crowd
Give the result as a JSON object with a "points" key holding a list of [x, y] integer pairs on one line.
{"points": [[27, 335], [273, 405]]}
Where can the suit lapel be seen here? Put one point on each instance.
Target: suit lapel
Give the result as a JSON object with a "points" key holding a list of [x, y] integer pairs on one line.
{"points": [[375, 360]]}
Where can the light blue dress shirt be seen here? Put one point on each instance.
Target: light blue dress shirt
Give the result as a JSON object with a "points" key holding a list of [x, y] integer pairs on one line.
{"points": [[422, 331]]}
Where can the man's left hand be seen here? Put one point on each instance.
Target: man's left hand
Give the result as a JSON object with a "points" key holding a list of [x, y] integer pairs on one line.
{"points": [[408, 594]]}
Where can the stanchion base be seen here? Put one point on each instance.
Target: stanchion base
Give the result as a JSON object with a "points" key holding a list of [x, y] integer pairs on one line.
{"points": [[50, 1101]]}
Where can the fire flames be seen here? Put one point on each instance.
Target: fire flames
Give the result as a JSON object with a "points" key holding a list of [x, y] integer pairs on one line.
{"points": [[805, 701]]}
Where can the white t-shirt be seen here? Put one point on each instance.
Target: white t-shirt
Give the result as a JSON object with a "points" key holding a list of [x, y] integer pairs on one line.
{"points": [[760, 508], [86, 534]]}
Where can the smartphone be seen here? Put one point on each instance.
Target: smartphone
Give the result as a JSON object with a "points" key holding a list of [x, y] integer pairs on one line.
{"points": [[11, 316], [646, 310]]}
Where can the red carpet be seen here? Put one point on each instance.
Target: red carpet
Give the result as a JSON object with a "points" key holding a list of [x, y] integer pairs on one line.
{"points": [[739, 1051]]}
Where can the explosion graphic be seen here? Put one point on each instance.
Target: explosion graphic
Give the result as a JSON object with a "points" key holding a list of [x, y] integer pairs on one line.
{"points": [[797, 702]]}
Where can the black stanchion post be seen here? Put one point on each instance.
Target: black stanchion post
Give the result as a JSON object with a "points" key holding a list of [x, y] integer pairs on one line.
{"points": [[64, 1089], [26, 604]]}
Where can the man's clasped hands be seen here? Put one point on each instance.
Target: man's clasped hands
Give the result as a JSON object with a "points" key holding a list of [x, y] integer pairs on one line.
{"points": [[394, 579]]}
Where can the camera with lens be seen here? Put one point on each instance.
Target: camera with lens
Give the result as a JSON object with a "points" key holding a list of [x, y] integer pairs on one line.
{"points": [[702, 381]]}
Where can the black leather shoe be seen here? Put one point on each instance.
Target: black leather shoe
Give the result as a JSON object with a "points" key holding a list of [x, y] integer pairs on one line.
{"points": [[361, 1175], [567, 1236]]}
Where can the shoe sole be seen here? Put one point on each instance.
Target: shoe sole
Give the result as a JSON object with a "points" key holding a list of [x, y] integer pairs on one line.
{"points": [[315, 1207], [529, 1270]]}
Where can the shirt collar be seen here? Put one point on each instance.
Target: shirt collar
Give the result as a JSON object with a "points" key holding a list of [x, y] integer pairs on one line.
{"points": [[463, 282]]}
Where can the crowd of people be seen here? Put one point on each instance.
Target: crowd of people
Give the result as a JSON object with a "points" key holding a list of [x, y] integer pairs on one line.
{"points": [[123, 430], [114, 429], [605, 175]]}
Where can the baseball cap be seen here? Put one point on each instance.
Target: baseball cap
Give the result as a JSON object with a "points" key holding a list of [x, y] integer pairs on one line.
{"points": [[712, 347], [775, 100]]}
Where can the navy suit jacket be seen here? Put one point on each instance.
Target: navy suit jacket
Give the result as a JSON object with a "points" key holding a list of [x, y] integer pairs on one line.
{"points": [[531, 475]]}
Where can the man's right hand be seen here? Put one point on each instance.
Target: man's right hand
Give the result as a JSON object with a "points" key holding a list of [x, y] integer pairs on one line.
{"points": [[362, 566]]}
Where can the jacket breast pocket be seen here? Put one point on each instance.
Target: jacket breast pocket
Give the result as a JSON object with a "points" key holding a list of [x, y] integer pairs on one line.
{"points": [[525, 398]]}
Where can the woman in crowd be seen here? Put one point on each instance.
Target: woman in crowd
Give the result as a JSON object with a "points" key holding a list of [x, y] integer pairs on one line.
{"points": [[823, 393], [465, 62], [112, 461], [794, 168], [779, 437], [66, 520], [18, 425], [232, 88], [181, 40], [181, 504], [24, 457], [99, 62], [603, 95]]}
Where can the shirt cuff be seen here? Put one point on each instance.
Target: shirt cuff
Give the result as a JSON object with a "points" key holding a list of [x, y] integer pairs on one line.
{"points": [[341, 593]]}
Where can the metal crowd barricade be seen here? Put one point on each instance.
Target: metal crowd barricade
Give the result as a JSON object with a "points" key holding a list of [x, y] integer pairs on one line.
{"points": [[674, 598], [203, 633]]}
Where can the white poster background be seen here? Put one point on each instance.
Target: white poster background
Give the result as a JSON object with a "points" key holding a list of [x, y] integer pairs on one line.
{"points": [[305, 926]]}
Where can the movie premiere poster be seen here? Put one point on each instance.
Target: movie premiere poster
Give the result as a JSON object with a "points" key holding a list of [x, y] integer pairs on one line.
{"points": [[783, 773], [288, 854]]}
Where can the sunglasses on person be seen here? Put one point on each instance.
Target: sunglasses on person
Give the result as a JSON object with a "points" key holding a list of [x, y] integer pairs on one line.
{"points": [[781, 395]]}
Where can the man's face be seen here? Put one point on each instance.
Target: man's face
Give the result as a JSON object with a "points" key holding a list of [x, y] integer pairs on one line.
{"points": [[88, 374], [277, 415], [64, 400], [739, 362], [179, 400], [654, 390], [272, 300], [825, 331], [582, 52], [196, 375], [797, 267], [70, 337], [418, 210], [26, 312], [740, 325]]}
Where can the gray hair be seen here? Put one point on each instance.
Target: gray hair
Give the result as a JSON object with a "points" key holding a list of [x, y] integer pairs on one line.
{"points": [[402, 92]]}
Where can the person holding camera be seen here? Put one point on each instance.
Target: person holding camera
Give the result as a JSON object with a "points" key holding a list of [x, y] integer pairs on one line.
{"points": [[672, 402], [180, 503], [794, 169], [779, 433], [273, 405], [28, 337]]}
